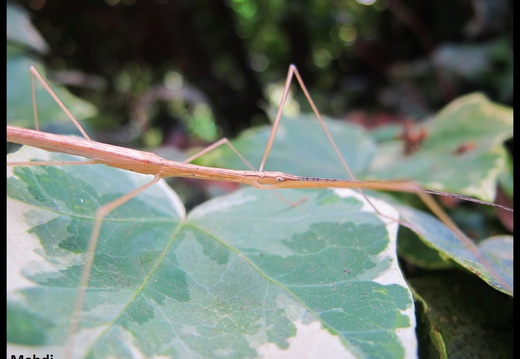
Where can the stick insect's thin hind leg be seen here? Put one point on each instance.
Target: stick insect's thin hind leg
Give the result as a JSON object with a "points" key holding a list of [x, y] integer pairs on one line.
{"points": [[101, 213]]}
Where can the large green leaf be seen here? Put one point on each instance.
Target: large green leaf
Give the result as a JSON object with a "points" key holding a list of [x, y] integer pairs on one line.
{"points": [[244, 275]]}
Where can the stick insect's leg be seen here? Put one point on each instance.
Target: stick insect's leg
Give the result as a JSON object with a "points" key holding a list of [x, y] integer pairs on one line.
{"points": [[225, 141], [222, 141], [101, 213], [293, 71], [52, 163], [35, 73]]}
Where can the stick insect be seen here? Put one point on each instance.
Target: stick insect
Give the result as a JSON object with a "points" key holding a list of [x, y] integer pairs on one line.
{"points": [[149, 163]]}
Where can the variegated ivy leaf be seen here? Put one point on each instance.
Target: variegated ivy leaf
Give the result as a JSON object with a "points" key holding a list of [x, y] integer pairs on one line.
{"points": [[242, 276]]}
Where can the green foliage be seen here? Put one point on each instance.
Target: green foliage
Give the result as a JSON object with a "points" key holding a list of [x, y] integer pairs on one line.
{"points": [[247, 274], [243, 274]]}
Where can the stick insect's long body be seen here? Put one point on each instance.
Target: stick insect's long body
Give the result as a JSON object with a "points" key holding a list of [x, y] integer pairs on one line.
{"points": [[152, 164]]}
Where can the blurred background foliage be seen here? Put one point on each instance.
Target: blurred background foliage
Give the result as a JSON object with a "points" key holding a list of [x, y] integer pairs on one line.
{"points": [[210, 68]]}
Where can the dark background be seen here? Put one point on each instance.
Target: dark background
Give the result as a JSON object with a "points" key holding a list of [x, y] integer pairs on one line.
{"points": [[403, 58]]}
